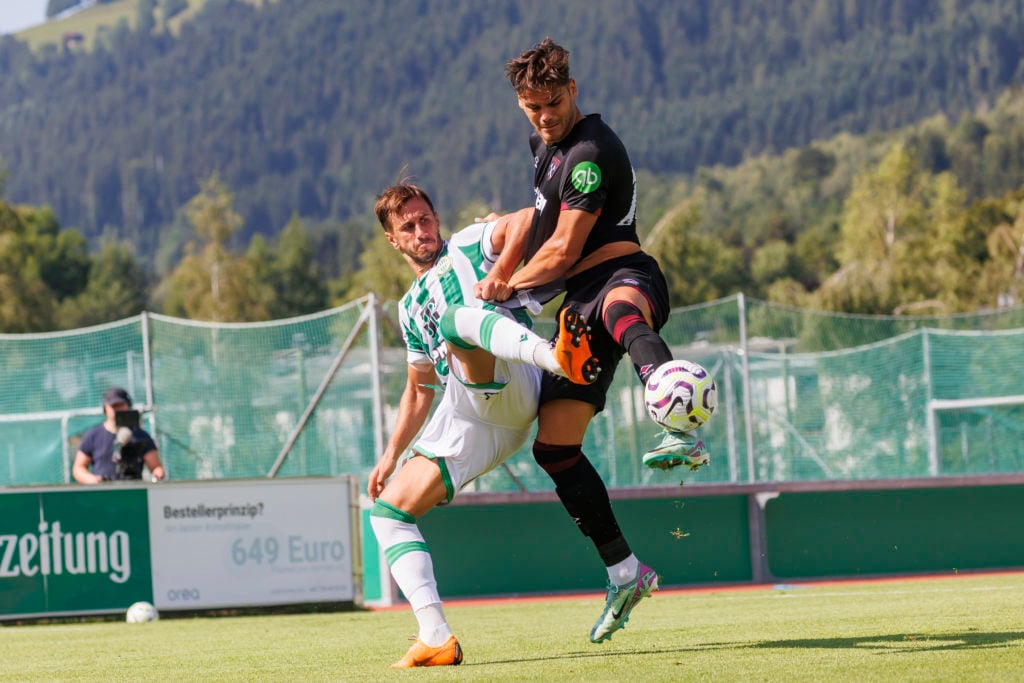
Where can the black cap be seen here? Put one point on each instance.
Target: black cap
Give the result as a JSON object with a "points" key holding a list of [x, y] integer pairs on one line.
{"points": [[116, 395]]}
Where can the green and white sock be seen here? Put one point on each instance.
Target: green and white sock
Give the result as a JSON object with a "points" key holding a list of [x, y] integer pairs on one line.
{"points": [[412, 569], [471, 328]]}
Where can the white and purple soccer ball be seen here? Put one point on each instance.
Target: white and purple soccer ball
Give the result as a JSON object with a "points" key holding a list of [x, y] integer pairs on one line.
{"points": [[680, 395]]}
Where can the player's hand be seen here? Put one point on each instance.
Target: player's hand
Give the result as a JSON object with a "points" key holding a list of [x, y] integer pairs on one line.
{"points": [[493, 288], [379, 476]]}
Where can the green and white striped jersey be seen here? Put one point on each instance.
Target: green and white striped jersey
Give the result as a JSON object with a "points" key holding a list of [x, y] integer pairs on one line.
{"points": [[463, 261]]}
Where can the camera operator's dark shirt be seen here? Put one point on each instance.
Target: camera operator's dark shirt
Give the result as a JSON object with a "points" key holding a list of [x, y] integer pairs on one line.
{"points": [[98, 444]]}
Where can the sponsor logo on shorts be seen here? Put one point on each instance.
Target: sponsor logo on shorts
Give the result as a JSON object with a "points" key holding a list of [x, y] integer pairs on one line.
{"points": [[586, 176]]}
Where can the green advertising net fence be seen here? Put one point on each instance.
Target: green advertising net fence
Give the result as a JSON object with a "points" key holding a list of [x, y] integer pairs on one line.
{"points": [[803, 395]]}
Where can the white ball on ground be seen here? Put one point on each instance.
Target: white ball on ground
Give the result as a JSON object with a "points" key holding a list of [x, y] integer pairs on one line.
{"points": [[141, 612]]}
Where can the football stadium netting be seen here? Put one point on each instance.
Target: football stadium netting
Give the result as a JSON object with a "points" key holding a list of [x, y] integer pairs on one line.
{"points": [[802, 395]]}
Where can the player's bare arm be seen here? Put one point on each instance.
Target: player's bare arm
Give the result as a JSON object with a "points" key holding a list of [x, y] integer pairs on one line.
{"points": [[558, 254], [413, 409], [508, 240]]}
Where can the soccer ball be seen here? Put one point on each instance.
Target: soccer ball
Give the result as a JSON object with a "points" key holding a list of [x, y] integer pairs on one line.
{"points": [[680, 395], [140, 613]]}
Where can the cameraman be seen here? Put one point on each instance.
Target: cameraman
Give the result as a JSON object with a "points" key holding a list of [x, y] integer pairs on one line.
{"points": [[116, 452]]}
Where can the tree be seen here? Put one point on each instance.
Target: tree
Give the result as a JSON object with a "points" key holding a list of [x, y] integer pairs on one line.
{"points": [[146, 21], [1002, 279], [26, 303], [772, 261], [62, 256], [117, 289], [698, 267], [171, 8], [903, 245], [292, 272], [211, 282], [381, 271]]}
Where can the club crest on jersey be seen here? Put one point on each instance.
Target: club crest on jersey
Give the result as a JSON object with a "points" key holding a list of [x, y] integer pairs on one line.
{"points": [[443, 265], [553, 166]]}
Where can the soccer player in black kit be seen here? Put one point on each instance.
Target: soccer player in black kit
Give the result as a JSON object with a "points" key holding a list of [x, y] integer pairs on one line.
{"points": [[584, 239]]}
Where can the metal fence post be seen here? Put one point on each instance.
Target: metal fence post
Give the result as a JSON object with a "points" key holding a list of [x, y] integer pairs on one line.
{"points": [[375, 373], [931, 424], [748, 423]]}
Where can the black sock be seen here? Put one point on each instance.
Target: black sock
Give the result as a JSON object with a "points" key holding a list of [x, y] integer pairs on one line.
{"points": [[585, 498], [647, 350]]}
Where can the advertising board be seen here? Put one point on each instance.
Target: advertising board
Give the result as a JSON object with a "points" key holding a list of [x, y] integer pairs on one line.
{"points": [[180, 545]]}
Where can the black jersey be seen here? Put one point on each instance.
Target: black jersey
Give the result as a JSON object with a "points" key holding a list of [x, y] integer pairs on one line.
{"points": [[99, 445], [589, 170]]}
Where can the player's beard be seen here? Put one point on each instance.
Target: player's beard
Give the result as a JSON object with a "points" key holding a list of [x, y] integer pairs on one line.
{"points": [[425, 261]]}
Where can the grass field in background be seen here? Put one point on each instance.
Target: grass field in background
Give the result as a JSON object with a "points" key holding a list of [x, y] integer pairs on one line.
{"points": [[86, 22], [107, 15], [964, 628]]}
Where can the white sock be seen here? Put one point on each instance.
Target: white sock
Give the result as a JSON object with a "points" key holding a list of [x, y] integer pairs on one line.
{"points": [[434, 629], [503, 337], [412, 568], [544, 358], [623, 572]]}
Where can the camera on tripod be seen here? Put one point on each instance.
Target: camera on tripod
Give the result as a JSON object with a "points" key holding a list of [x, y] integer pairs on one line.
{"points": [[128, 452]]}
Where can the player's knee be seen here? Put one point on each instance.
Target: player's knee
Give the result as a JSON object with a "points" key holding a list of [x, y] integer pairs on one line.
{"points": [[396, 531], [554, 458], [382, 508], [449, 329], [627, 326], [620, 316]]}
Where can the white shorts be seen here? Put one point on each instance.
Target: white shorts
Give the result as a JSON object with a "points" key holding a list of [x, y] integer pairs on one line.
{"points": [[476, 428]]}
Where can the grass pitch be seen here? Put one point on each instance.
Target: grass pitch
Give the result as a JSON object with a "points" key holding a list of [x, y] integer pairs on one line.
{"points": [[964, 628]]}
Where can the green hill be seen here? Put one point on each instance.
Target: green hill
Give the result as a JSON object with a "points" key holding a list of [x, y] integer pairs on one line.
{"points": [[309, 107]]}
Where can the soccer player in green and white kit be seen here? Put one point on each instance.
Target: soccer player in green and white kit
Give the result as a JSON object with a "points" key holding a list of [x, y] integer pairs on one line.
{"points": [[491, 365]]}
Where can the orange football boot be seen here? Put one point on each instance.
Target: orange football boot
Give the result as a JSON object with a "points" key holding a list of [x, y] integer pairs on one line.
{"points": [[572, 347], [421, 654]]}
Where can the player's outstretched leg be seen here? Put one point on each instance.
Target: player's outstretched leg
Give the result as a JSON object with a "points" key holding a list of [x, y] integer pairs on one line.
{"points": [[421, 654], [466, 327], [572, 347], [677, 448], [621, 600]]}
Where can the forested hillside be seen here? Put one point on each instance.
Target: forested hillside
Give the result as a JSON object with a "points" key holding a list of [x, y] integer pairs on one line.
{"points": [[863, 157], [309, 107]]}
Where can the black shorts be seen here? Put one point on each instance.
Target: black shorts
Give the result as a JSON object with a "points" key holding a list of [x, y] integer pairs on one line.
{"points": [[586, 293]]}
